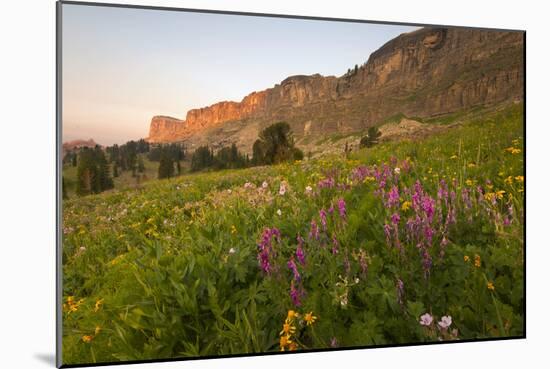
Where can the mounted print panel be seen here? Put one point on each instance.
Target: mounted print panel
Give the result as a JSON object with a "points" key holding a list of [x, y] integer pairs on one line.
{"points": [[243, 184]]}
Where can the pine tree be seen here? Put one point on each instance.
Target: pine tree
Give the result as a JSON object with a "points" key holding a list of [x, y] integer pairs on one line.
{"points": [[85, 172], [166, 166], [275, 144], [104, 180]]}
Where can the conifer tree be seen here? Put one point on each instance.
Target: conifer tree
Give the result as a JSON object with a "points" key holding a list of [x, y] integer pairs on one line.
{"points": [[166, 166]]}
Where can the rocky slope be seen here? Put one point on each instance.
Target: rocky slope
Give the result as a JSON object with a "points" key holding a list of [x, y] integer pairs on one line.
{"points": [[425, 73]]}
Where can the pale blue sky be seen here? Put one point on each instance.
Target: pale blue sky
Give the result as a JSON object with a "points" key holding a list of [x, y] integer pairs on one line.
{"points": [[122, 66]]}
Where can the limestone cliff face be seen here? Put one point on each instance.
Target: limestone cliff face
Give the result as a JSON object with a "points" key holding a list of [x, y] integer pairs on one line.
{"points": [[428, 72]]}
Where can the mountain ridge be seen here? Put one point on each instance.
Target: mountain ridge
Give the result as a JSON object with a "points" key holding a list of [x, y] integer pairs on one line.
{"points": [[424, 73]]}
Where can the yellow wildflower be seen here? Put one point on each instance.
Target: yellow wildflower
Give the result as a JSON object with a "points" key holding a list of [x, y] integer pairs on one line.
{"points": [[291, 315], [406, 205], [469, 182], [513, 150], [500, 194], [72, 305], [454, 157], [520, 178], [233, 229], [466, 258], [284, 341], [477, 261], [310, 318], [491, 286], [369, 179], [98, 304], [87, 338], [508, 180], [97, 330], [288, 329]]}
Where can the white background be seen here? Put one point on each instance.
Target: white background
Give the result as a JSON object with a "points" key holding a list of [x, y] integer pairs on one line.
{"points": [[27, 184]]}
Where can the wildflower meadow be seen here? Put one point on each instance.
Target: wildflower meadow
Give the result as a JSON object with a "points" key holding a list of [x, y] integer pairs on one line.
{"points": [[413, 240]]}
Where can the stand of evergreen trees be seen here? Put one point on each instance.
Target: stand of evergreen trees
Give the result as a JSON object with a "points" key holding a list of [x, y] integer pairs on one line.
{"points": [[93, 172], [96, 167], [228, 157], [168, 155], [126, 157]]}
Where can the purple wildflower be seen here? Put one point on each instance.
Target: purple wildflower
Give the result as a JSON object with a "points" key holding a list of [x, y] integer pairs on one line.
{"points": [[347, 265], [443, 190], [326, 183], [314, 230], [428, 233], [295, 294], [292, 266], [342, 208], [466, 198], [428, 206], [323, 216], [265, 248], [300, 254], [395, 218], [393, 197], [426, 262], [334, 245]]}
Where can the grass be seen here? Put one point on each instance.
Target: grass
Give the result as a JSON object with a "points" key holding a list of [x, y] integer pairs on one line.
{"points": [[171, 269]]}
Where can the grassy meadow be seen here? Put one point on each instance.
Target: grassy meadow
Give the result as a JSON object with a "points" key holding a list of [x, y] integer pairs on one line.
{"points": [[407, 241]]}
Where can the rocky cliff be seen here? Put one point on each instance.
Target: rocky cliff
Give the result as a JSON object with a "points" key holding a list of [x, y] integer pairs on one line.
{"points": [[425, 73]]}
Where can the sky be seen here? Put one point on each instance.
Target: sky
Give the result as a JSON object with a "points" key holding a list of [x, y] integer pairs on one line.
{"points": [[122, 66]]}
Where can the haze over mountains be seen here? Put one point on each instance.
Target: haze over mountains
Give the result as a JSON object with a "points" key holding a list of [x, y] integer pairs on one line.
{"points": [[425, 73]]}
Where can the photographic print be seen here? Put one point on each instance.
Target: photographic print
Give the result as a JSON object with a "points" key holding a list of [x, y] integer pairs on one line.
{"points": [[243, 184]]}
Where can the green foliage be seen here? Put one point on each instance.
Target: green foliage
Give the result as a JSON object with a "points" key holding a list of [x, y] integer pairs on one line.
{"points": [[176, 151], [166, 165], [275, 145], [171, 270], [203, 157], [93, 172], [227, 157]]}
